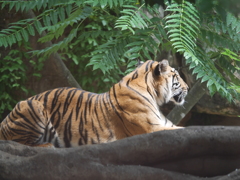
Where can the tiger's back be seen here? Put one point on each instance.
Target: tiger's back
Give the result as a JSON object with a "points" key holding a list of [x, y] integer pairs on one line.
{"points": [[67, 117], [64, 117]]}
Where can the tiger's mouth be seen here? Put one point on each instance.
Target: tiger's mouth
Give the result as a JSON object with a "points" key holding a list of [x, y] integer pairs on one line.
{"points": [[179, 97]]}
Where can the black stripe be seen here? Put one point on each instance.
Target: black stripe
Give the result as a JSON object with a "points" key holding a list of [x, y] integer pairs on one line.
{"points": [[90, 96], [147, 66], [56, 98], [137, 92], [151, 64], [52, 132], [135, 75], [95, 130], [113, 106], [46, 132], [39, 139], [46, 98], [85, 137], [40, 98], [68, 100], [53, 118], [4, 133], [144, 98], [80, 130], [105, 116], [79, 104], [146, 82], [83, 132], [13, 121], [28, 123], [173, 78], [116, 112], [86, 107], [67, 131], [119, 84], [97, 113], [36, 96], [36, 122], [18, 106], [115, 97], [36, 117]]}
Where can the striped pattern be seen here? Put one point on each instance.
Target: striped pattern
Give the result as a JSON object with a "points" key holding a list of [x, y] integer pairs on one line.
{"points": [[67, 117]]}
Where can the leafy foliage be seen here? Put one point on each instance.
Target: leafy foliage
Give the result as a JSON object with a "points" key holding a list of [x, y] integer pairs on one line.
{"points": [[111, 35], [12, 77], [131, 18], [139, 38], [80, 51], [183, 28]]}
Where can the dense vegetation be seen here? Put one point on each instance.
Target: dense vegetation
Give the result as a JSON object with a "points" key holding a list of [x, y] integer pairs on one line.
{"points": [[108, 36]]}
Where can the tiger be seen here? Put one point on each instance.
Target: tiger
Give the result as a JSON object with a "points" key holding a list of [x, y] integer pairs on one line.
{"points": [[70, 117]]}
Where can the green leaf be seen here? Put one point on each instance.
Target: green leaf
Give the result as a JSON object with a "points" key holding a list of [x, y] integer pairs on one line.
{"points": [[18, 36], [46, 21], [200, 74], [31, 30], [62, 13], [210, 83], [24, 34], [205, 78], [38, 26], [230, 19], [212, 89]]}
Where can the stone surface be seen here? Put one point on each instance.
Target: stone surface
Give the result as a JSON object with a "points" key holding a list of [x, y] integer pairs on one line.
{"points": [[217, 105], [184, 154]]}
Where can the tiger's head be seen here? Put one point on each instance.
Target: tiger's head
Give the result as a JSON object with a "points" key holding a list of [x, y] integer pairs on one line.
{"points": [[163, 82]]}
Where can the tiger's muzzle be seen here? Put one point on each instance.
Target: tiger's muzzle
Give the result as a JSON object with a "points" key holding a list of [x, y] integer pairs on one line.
{"points": [[179, 97]]}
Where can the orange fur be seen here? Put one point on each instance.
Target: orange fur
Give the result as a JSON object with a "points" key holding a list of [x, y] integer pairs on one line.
{"points": [[69, 117]]}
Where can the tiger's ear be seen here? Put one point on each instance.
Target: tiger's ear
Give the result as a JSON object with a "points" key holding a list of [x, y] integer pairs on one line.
{"points": [[139, 63], [161, 67]]}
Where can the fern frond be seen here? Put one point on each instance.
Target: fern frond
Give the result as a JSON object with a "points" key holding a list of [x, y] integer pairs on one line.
{"points": [[207, 71], [144, 46], [233, 22], [182, 26], [144, 40], [216, 40], [97, 33], [17, 31], [57, 30], [107, 56], [34, 4], [221, 33], [132, 19], [21, 30], [58, 46], [183, 30], [53, 18], [231, 54], [229, 70], [110, 3]]}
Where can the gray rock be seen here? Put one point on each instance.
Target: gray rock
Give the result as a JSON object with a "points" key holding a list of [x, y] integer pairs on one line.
{"points": [[183, 154]]}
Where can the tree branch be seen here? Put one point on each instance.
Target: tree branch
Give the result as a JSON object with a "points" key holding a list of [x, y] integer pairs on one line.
{"points": [[194, 95], [55, 62]]}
